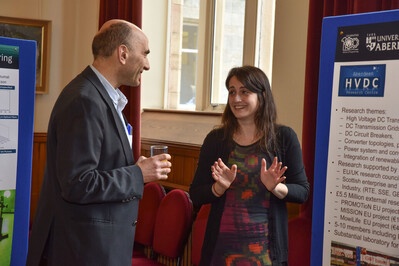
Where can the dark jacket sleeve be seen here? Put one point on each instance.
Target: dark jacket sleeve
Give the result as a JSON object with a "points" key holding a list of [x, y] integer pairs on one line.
{"points": [[291, 156], [200, 190], [211, 150]]}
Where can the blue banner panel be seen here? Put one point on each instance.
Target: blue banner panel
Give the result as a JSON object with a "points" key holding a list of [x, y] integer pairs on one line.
{"points": [[356, 198], [17, 96]]}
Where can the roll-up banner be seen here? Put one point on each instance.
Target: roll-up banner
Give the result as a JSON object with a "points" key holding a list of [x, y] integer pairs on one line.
{"points": [[356, 193], [17, 94]]}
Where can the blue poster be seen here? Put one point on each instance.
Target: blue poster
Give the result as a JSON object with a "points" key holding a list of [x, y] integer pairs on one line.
{"points": [[17, 90], [356, 198]]}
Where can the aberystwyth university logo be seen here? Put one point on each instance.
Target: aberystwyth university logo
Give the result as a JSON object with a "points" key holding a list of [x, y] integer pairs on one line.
{"points": [[371, 41]]}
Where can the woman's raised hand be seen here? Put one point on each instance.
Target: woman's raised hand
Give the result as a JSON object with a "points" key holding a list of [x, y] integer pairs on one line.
{"points": [[223, 175], [274, 175]]}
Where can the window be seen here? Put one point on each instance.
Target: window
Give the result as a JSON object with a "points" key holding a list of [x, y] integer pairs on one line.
{"points": [[208, 38]]}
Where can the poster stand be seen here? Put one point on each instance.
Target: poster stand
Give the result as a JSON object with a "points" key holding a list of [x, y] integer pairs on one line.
{"points": [[355, 212], [17, 95]]}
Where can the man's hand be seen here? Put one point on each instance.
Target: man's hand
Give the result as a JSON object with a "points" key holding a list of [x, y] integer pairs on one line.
{"points": [[155, 168]]}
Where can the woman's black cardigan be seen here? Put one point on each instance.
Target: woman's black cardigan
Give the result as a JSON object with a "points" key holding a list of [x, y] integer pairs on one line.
{"points": [[290, 154]]}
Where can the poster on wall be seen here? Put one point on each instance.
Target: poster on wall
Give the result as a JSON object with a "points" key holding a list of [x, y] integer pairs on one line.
{"points": [[17, 88], [356, 209]]}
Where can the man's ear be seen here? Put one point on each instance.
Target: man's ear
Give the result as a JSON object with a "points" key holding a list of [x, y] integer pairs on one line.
{"points": [[122, 52]]}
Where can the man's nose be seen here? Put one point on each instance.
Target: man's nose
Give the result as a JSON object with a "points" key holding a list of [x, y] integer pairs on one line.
{"points": [[147, 64]]}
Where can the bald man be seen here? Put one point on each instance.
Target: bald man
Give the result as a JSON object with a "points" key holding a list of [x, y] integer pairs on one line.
{"points": [[92, 185]]}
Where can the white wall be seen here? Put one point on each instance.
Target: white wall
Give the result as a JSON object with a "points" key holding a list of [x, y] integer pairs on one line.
{"points": [[289, 60], [74, 23]]}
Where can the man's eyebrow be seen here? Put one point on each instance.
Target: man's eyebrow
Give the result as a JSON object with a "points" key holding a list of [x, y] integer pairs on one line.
{"points": [[147, 52]]}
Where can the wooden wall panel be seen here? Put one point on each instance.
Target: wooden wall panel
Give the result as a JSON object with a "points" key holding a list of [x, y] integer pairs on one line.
{"points": [[38, 165], [184, 162]]}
